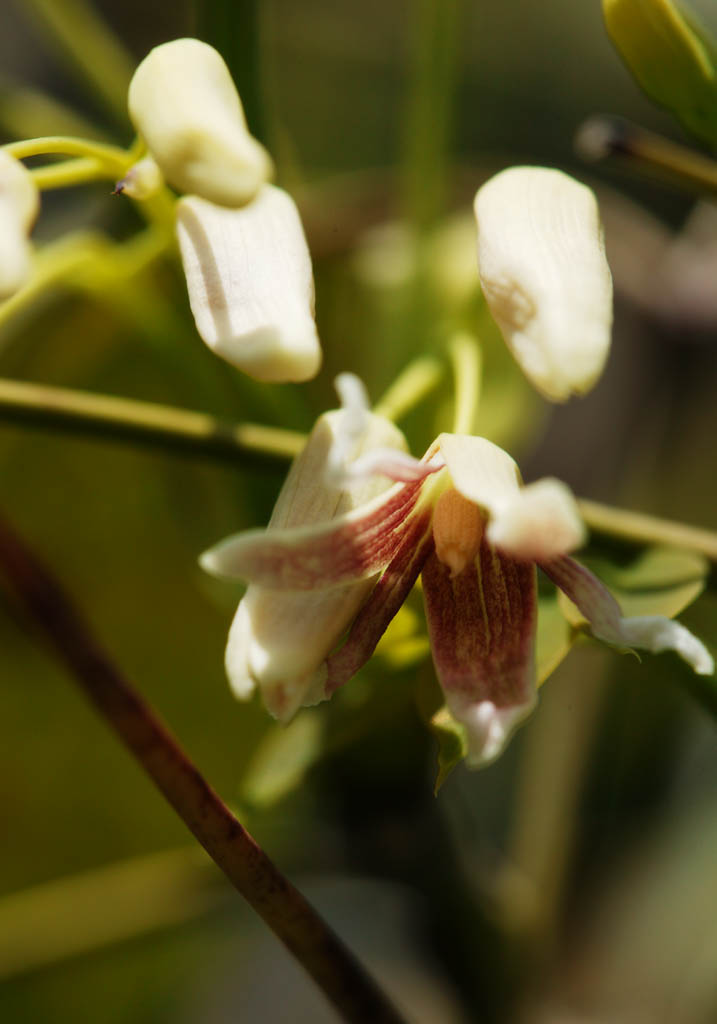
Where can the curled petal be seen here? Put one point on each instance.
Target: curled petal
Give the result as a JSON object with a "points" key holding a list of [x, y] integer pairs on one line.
{"points": [[544, 275], [350, 548], [652, 633], [251, 285], [534, 522], [19, 205], [542, 522], [482, 627], [183, 101]]}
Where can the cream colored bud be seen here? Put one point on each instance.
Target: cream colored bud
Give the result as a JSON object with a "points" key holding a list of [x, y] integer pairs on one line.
{"points": [[544, 275], [142, 180], [250, 284], [19, 206], [184, 103]]}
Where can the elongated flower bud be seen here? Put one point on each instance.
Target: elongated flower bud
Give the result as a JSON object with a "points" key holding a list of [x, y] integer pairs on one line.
{"points": [[671, 56], [544, 275], [19, 205], [184, 103], [250, 284]]}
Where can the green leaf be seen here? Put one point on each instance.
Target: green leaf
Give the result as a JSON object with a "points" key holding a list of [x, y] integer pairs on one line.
{"points": [[672, 57], [555, 636]]}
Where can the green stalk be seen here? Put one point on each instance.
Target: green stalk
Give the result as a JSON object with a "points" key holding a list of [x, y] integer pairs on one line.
{"points": [[141, 423], [432, 82]]}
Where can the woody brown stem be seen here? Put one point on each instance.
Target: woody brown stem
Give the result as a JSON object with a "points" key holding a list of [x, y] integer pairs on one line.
{"points": [[289, 915]]}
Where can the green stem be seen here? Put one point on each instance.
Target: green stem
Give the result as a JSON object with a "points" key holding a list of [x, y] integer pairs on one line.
{"points": [[467, 363], [283, 908], [601, 137], [116, 159], [143, 423], [640, 528], [417, 380], [430, 101]]}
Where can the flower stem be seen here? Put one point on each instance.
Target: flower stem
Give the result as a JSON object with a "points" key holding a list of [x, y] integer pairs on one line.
{"points": [[467, 363], [644, 529], [601, 137], [143, 423], [417, 380], [428, 118], [283, 908], [116, 159]]}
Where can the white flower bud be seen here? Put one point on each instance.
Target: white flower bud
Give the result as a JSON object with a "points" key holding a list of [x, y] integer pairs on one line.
{"points": [[544, 275], [250, 284], [184, 103], [19, 205]]}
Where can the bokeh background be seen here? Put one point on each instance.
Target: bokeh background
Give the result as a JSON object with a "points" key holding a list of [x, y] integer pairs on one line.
{"points": [[573, 880]]}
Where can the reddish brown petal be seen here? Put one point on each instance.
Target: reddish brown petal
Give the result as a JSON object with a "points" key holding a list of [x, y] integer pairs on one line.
{"points": [[482, 626], [350, 548], [387, 597]]}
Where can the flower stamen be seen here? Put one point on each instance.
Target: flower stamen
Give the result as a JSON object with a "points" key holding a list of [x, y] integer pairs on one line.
{"points": [[458, 527]]}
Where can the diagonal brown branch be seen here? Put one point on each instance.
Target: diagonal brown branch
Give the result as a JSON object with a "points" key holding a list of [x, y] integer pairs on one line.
{"points": [[292, 919]]}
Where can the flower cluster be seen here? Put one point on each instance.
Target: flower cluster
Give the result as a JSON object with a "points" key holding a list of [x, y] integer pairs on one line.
{"points": [[359, 519]]}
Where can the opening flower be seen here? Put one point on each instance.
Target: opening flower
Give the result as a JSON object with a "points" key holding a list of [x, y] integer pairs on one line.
{"points": [[19, 206], [332, 561]]}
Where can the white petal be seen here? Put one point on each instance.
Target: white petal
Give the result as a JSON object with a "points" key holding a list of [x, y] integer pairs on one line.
{"points": [[184, 103], [480, 470], [542, 522], [250, 284], [544, 275], [19, 205], [488, 728], [655, 633]]}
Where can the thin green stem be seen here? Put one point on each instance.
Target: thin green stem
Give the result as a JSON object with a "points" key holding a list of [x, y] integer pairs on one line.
{"points": [[116, 159], [69, 172], [467, 364], [418, 379], [142, 423], [640, 528], [601, 137], [429, 119], [282, 907]]}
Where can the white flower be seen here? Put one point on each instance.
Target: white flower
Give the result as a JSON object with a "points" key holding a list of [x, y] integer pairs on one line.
{"points": [[544, 275], [184, 103]]}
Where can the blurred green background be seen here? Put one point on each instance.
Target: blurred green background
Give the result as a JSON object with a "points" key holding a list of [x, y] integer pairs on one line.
{"points": [[573, 880]]}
